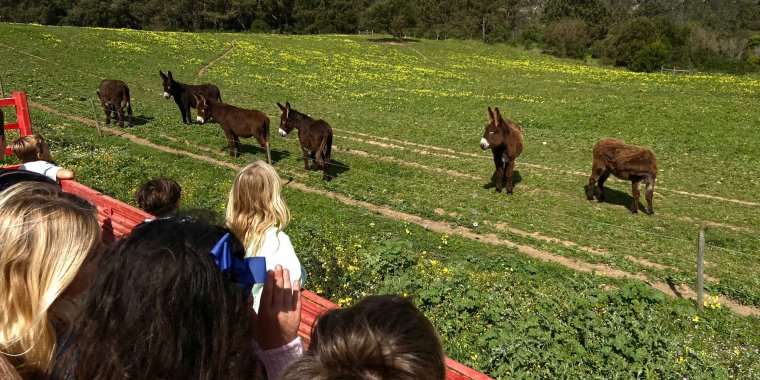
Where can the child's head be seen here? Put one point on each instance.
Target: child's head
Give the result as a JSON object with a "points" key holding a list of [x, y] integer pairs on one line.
{"points": [[159, 197], [46, 236], [381, 337], [31, 148], [255, 204], [161, 308]]}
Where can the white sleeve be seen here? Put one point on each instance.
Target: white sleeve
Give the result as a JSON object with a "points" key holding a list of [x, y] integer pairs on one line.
{"points": [[279, 250]]}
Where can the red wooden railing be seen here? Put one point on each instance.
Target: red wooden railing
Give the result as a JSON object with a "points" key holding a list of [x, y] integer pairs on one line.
{"points": [[23, 121]]}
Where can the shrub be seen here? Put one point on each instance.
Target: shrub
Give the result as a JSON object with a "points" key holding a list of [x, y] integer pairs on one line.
{"points": [[567, 38]]}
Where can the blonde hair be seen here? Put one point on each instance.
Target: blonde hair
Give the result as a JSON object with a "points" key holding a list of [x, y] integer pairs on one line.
{"points": [[255, 205], [27, 148], [46, 235]]}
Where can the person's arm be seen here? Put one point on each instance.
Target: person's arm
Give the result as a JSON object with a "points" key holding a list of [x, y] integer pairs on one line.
{"points": [[276, 328], [64, 174]]}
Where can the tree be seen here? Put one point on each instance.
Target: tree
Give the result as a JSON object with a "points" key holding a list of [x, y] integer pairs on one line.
{"points": [[392, 16]]}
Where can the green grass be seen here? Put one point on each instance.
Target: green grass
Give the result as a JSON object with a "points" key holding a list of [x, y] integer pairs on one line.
{"points": [[519, 322]]}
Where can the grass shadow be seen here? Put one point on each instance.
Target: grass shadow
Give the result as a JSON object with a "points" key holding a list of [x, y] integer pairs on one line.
{"points": [[516, 178], [138, 120], [259, 152], [614, 197], [392, 41]]}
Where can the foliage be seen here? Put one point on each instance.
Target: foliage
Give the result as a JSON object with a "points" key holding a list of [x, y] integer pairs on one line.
{"points": [[567, 37], [392, 16]]}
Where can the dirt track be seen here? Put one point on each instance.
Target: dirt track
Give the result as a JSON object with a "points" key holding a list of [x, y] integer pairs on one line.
{"points": [[681, 291]]}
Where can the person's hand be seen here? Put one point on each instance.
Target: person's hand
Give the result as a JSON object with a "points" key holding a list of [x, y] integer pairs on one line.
{"points": [[279, 310]]}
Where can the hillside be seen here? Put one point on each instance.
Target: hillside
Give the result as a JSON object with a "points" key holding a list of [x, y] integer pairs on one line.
{"points": [[411, 209]]}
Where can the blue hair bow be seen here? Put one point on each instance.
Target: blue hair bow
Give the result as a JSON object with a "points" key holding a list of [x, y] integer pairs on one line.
{"points": [[247, 272]]}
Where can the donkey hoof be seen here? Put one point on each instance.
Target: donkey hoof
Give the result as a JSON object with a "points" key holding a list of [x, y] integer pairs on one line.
{"points": [[650, 212], [509, 192], [635, 212], [498, 190]]}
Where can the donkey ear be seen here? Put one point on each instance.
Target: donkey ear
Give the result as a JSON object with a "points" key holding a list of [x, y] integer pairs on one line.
{"points": [[170, 75], [161, 73], [287, 105], [490, 115], [282, 108], [498, 114]]}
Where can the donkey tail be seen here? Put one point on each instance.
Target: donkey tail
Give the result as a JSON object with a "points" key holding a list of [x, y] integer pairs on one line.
{"points": [[323, 153]]}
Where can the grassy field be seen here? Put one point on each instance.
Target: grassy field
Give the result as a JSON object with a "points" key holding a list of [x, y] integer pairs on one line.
{"points": [[408, 119]]}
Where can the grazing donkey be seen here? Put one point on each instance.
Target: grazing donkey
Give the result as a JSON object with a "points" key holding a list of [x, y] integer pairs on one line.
{"points": [[114, 97], [314, 135], [628, 162], [235, 122], [184, 94], [505, 139]]}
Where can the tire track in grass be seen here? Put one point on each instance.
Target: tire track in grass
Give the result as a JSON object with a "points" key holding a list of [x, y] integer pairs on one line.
{"points": [[449, 153], [681, 291], [456, 173], [205, 68]]}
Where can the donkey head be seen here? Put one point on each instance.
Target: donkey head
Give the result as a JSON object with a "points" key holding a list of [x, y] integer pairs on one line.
{"points": [[496, 130], [286, 121], [168, 84], [203, 107]]}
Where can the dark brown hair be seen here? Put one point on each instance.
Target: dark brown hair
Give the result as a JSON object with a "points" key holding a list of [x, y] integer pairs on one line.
{"points": [[381, 337], [159, 197], [160, 308]]}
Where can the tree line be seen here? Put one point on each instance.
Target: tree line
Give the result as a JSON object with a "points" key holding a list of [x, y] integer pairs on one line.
{"points": [[643, 35]]}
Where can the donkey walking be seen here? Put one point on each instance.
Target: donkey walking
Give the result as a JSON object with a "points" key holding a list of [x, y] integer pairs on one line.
{"points": [[505, 139], [627, 162], [114, 97], [184, 94], [236, 122], [314, 135]]}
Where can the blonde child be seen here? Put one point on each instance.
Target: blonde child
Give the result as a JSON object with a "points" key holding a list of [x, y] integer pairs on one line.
{"points": [[35, 154], [48, 236], [257, 215]]}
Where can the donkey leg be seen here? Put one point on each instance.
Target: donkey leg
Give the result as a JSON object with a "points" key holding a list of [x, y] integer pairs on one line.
{"points": [[326, 168], [305, 155], [129, 110], [236, 141], [499, 173], [510, 171], [596, 173], [600, 182], [120, 112], [269, 154], [107, 110], [649, 194], [636, 194]]}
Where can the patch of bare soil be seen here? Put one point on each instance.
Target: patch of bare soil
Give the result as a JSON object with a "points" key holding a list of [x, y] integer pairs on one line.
{"points": [[205, 68], [437, 226]]}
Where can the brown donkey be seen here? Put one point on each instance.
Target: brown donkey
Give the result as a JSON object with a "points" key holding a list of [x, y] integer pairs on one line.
{"points": [[114, 97], [235, 122], [505, 139], [628, 162], [315, 136]]}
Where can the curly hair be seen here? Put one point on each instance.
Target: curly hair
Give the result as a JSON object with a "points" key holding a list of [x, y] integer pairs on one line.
{"points": [[46, 236], [381, 337], [160, 308]]}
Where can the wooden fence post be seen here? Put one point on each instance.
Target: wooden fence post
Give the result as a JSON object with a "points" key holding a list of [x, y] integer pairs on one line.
{"points": [[2, 91], [95, 115], [700, 271]]}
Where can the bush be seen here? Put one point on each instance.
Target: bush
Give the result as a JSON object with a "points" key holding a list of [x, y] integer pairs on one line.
{"points": [[650, 58], [567, 38], [259, 25]]}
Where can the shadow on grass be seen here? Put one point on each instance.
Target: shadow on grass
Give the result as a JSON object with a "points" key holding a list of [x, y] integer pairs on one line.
{"points": [[516, 178]]}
